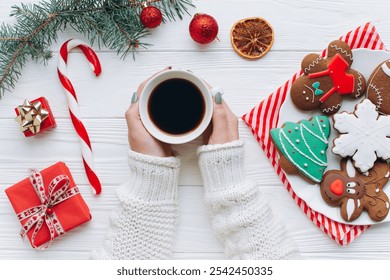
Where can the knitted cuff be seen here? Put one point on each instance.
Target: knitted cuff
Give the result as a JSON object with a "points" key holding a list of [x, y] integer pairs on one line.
{"points": [[222, 166], [152, 178]]}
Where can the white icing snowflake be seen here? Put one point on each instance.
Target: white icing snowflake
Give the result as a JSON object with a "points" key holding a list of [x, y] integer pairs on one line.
{"points": [[365, 135]]}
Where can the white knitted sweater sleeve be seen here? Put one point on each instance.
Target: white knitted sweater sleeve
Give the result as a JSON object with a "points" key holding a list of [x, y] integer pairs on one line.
{"points": [[143, 225], [240, 215]]}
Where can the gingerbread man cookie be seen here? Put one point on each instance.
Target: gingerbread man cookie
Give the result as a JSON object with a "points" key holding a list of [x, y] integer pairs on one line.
{"points": [[326, 80], [378, 89], [353, 191], [365, 135], [302, 147]]}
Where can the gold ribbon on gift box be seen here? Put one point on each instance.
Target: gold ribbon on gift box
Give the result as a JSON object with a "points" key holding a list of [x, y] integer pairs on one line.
{"points": [[31, 116]]}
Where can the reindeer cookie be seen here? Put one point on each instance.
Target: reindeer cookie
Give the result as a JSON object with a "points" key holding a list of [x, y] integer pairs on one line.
{"points": [[353, 191], [327, 80], [378, 89]]}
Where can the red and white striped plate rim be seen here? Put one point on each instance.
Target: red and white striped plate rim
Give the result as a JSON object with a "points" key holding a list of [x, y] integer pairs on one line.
{"points": [[265, 116]]}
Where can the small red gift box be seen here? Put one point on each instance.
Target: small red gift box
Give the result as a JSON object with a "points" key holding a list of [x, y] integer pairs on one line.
{"points": [[48, 204], [35, 117]]}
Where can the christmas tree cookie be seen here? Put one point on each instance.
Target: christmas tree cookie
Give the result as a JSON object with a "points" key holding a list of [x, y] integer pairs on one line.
{"points": [[302, 147]]}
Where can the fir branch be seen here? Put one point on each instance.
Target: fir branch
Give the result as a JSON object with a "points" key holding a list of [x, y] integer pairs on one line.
{"points": [[23, 42], [114, 24]]}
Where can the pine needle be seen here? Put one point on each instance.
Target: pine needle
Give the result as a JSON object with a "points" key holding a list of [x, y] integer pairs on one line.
{"points": [[114, 24]]}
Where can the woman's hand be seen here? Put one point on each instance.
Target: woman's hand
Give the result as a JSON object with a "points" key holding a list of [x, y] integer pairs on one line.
{"points": [[140, 140], [224, 126]]}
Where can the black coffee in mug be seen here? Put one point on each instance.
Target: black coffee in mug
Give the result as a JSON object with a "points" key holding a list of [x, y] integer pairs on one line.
{"points": [[176, 106]]}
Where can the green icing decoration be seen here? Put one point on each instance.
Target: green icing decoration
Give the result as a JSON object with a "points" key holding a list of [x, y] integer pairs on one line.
{"points": [[304, 144], [316, 87]]}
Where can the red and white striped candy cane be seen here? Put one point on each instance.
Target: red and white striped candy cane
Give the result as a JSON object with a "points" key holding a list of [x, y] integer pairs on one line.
{"points": [[86, 148]]}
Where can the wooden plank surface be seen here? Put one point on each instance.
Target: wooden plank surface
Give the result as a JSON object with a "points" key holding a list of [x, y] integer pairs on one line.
{"points": [[300, 27]]}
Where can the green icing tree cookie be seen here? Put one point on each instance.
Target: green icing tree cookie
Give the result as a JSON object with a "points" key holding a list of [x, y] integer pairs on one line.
{"points": [[302, 147]]}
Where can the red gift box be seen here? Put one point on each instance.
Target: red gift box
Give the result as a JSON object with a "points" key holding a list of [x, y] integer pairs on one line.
{"points": [[47, 123], [48, 204]]}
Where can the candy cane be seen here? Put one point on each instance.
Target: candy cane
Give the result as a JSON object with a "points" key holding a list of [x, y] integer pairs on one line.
{"points": [[86, 149]]}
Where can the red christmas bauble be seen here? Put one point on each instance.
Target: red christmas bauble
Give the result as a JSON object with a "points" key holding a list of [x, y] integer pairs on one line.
{"points": [[151, 17], [203, 28]]}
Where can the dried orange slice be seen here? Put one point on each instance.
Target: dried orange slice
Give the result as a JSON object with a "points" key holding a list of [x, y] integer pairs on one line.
{"points": [[252, 37]]}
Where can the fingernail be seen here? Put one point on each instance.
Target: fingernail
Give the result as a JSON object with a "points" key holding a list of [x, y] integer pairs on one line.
{"points": [[134, 98], [218, 98]]}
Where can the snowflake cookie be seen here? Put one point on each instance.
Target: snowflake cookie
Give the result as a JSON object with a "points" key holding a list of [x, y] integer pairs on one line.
{"points": [[365, 136], [302, 147]]}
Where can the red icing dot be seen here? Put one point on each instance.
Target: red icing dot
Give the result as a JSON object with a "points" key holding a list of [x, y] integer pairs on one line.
{"points": [[337, 187], [321, 120], [289, 131]]}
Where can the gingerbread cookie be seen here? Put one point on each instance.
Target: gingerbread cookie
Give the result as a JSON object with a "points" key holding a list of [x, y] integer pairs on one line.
{"points": [[302, 147], [364, 135], [353, 191], [326, 80], [378, 89]]}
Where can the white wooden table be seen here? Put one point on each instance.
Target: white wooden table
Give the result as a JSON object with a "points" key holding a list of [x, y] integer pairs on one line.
{"points": [[300, 27]]}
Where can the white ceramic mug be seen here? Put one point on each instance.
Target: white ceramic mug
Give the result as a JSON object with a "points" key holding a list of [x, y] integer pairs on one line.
{"points": [[153, 129]]}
